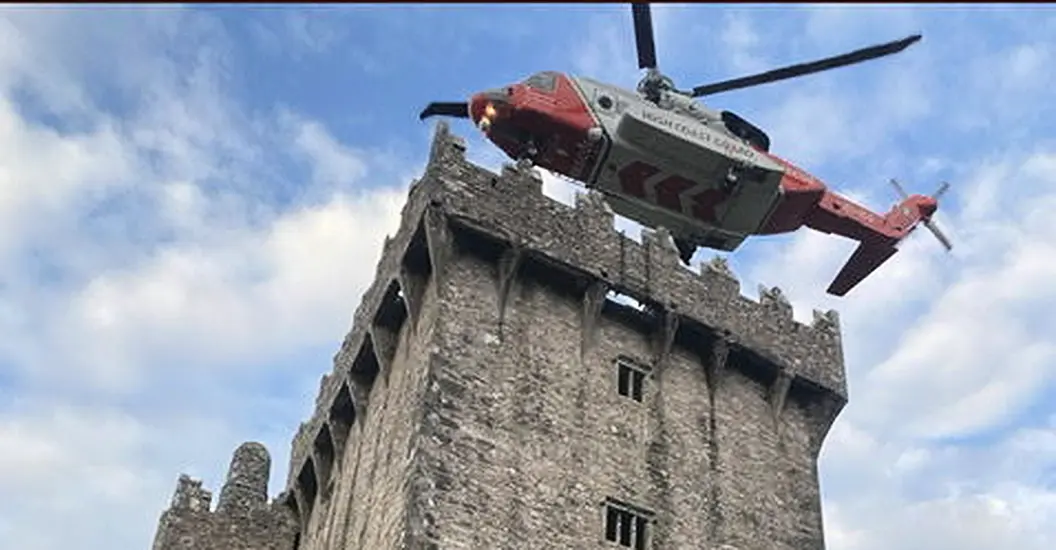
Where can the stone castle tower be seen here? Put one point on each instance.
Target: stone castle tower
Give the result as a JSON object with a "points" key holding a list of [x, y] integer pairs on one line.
{"points": [[496, 392]]}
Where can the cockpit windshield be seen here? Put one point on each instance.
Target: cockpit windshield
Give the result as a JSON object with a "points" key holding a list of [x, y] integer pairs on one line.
{"points": [[544, 82]]}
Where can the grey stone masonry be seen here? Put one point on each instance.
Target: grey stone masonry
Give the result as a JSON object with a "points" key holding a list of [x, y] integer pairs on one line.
{"points": [[243, 519], [519, 375]]}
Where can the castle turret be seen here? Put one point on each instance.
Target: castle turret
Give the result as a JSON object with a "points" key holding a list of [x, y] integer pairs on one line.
{"points": [[247, 480]]}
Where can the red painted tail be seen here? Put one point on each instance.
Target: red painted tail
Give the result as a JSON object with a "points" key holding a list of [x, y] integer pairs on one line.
{"points": [[897, 225]]}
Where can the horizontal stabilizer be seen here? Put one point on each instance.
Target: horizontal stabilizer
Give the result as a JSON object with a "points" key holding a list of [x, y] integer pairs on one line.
{"points": [[865, 260]]}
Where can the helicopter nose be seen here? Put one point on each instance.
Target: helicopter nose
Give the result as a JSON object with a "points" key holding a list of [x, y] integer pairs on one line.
{"points": [[483, 111], [478, 107], [487, 107]]}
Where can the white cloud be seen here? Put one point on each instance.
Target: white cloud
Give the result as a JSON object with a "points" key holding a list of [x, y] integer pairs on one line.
{"points": [[152, 253], [43, 171], [838, 27], [333, 163], [101, 471], [741, 41], [243, 297]]}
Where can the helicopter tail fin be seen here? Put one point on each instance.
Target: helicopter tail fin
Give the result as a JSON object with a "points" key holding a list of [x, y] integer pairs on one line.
{"points": [[871, 253], [865, 260]]}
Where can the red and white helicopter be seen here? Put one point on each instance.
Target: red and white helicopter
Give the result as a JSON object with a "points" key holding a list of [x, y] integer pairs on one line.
{"points": [[663, 159]]}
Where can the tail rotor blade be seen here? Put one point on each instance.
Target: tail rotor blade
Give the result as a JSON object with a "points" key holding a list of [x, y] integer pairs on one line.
{"points": [[643, 36], [898, 189], [942, 238], [927, 222], [459, 109], [803, 69], [941, 190]]}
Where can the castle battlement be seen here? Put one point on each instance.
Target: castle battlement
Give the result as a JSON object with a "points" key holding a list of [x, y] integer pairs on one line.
{"points": [[420, 390], [243, 517], [456, 199]]}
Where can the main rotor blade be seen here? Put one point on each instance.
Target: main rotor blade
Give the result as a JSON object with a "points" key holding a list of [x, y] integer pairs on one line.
{"points": [[458, 109], [643, 36], [792, 71]]}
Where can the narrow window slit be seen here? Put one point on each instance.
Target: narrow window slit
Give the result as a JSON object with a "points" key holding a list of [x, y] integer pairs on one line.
{"points": [[630, 379]]}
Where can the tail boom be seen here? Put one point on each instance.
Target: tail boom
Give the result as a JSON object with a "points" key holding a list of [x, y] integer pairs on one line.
{"points": [[877, 234]]}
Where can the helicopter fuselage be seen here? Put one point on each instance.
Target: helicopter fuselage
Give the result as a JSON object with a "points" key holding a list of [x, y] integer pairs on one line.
{"points": [[664, 160], [702, 174]]}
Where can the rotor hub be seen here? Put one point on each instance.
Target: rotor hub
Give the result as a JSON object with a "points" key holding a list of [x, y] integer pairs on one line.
{"points": [[653, 84]]}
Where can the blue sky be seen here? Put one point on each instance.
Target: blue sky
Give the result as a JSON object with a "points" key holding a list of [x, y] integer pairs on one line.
{"points": [[188, 196]]}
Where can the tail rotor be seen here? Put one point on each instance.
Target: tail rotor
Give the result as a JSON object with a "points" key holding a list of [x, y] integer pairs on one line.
{"points": [[927, 221]]}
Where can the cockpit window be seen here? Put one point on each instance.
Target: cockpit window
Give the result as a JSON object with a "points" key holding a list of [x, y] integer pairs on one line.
{"points": [[544, 82], [498, 95]]}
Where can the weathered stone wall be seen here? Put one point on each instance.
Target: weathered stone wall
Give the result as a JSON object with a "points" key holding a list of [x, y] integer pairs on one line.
{"points": [[473, 403], [527, 435]]}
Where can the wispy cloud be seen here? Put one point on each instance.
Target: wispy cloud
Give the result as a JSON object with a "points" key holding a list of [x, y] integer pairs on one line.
{"points": [[151, 250]]}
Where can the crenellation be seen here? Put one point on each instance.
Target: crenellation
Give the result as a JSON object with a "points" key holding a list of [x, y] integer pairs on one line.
{"points": [[520, 181], [324, 390], [776, 303], [546, 233], [191, 496], [593, 213], [448, 150], [660, 250], [826, 322], [717, 277]]}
